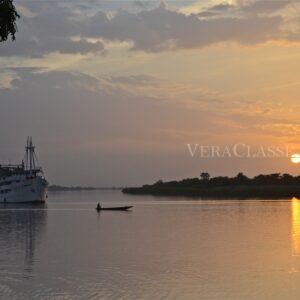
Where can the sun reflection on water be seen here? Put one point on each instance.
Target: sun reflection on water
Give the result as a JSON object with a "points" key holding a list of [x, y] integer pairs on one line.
{"points": [[295, 226]]}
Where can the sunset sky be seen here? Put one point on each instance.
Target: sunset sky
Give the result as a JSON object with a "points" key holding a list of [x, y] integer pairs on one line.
{"points": [[112, 91]]}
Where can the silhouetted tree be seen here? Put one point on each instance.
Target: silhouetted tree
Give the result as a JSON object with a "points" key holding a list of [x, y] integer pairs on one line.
{"points": [[241, 178], [238, 183], [159, 182], [287, 179], [267, 179], [204, 176], [189, 182], [220, 181], [8, 17]]}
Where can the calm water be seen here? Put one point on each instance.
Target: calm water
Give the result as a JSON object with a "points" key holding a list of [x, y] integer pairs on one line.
{"points": [[175, 249]]}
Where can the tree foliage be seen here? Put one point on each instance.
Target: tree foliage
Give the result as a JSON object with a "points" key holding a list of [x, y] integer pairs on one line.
{"points": [[240, 179], [8, 18], [263, 186], [204, 176]]}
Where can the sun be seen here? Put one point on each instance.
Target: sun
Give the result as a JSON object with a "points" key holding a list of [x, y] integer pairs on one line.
{"points": [[295, 158]]}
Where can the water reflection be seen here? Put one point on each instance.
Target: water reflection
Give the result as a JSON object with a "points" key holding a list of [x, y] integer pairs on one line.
{"points": [[295, 226], [21, 228]]}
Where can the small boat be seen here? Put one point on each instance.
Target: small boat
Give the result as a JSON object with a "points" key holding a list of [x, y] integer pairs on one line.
{"points": [[114, 208]]}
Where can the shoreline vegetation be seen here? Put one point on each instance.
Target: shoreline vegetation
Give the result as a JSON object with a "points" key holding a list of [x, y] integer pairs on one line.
{"points": [[60, 188], [270, 186]]}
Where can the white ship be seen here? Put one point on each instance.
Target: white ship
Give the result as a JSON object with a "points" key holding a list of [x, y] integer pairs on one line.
{"points": [[24, 183]]}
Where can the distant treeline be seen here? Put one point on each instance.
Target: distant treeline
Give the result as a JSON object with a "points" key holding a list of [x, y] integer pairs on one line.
{"points": [[261, 186], [79, 188]]}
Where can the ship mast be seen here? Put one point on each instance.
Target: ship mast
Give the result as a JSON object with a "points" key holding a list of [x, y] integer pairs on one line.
{"points": [[30, 156]]}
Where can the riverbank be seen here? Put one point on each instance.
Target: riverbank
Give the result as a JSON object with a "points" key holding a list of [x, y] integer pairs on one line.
{"points": [[220, 192]]}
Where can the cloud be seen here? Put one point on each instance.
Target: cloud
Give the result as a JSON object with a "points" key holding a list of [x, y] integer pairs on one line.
{"points": [[248, 7], [139, 79], [39, 47], [161, 29], [141, 4], [45, 29], [68, 29], [217, 9], [265, 6]]}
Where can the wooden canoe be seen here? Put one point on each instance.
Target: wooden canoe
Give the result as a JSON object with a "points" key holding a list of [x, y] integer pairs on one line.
{"points": [[114, 208]]}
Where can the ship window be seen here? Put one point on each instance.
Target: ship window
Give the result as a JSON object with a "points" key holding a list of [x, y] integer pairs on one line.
{"points": [[5, 191], [5, 183]]}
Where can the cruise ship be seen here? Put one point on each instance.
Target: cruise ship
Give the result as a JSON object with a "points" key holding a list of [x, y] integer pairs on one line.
{"points": [[23, 183]]}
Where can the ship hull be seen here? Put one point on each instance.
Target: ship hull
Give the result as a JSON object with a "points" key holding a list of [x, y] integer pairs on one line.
{"points": [[34, 191]]}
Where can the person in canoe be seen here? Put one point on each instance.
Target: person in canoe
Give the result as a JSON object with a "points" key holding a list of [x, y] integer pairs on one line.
{"points": [[99, 206]]}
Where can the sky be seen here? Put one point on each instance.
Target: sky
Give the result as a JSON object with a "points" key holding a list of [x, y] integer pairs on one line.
{"points": [[113, 91]]}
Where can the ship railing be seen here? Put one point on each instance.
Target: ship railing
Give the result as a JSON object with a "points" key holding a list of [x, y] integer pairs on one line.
{"points": [[11, 166]]}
